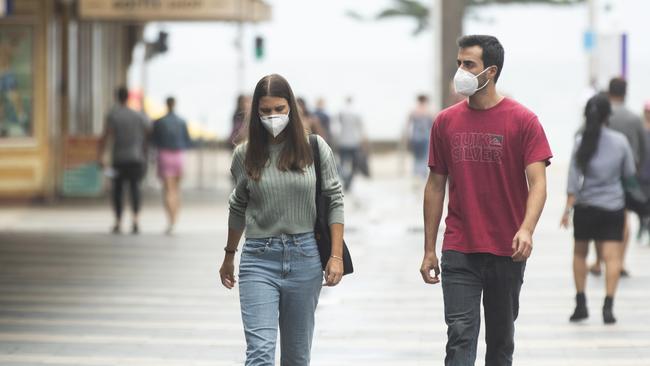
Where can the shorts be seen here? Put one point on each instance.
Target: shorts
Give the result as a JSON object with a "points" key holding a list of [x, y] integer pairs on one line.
{"points": [[594, 223], [170, 163]]}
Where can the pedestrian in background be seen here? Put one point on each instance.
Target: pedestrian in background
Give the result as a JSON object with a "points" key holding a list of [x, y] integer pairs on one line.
{"points": [[171, 138], [324, 120], [311, 122], [351, 140], [629, 124], [273, 203], [601, 161], [494, 153], [238, 126], [128, 131], [418, 128], [644, 171]]}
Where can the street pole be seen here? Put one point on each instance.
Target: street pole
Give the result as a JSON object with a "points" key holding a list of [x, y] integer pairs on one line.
{"points": [[143, 80], [241, 65], [436, 29], [592, 11]]}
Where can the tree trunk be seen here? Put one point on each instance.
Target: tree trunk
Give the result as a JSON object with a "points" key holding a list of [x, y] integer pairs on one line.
{"points": [[453, 12]]}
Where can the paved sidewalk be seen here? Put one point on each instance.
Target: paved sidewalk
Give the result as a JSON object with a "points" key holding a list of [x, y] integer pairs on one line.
{"points": [[72, 294]]}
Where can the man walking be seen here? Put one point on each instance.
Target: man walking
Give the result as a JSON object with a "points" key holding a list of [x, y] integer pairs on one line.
{"points": [[351, 140], [128, 130], [324, 118], [494, 153]]}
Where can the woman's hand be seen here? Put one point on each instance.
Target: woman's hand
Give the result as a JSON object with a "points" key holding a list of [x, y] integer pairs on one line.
{"points": [[227, 272], [564, 223], [333, 271]]}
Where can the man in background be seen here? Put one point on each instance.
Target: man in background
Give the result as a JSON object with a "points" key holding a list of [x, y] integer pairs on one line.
{"points": [[128, 130]]}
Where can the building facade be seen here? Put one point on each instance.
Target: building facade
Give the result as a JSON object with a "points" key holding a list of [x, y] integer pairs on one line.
{"points": [[60, 63]]}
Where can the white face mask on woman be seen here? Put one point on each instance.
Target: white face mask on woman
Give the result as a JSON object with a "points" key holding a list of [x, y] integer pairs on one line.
{"points": [[275, 123], [466, 83]]}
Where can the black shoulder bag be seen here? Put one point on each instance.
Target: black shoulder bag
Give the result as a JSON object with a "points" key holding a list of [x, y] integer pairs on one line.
{"points": [[635, 199], [321, 228]]}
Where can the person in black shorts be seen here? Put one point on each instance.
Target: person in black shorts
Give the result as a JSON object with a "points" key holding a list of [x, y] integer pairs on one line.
{"points": [[596, 197]]}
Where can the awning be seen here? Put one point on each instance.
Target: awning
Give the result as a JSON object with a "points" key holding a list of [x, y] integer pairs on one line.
{"points": [[170, 10]]}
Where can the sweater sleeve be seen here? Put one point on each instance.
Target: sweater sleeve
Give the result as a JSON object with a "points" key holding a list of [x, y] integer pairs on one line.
{"points": [[330, 184], [239, 196]]}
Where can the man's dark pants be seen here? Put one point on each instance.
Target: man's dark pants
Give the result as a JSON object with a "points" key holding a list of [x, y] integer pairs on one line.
{"points": [[464, 278], [131, 173]]}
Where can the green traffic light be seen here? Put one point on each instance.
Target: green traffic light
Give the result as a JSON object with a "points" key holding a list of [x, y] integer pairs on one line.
{"points": [[259, 48]]}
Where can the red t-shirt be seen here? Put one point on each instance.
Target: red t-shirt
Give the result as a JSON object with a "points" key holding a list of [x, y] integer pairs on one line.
{"points": [[485, 154]]}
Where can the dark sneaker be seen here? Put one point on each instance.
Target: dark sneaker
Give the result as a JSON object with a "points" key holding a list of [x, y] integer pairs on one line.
{"points": [[608, 314], [580, 313]]}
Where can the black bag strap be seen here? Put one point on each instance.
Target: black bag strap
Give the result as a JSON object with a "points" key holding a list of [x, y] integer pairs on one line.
{"points": [[315, 152]]}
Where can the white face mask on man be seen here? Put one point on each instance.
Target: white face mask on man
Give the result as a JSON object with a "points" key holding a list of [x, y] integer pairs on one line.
{"points": [[466, 83], [275, 123]]}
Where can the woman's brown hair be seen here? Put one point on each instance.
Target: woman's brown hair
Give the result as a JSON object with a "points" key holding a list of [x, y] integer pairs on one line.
{"points": [[296, 152]]}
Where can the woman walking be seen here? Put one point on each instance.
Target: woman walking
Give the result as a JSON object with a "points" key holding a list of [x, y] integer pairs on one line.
{"points": [[171, 138], [273, 203], [601, 162]]}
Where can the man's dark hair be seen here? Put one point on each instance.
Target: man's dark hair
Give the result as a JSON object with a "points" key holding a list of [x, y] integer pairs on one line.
{"points": [[617, 87], [423, 98], [492, 50], [122, 94], [171, 102]]}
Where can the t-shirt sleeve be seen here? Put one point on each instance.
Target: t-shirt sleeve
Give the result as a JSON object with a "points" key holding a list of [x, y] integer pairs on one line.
{"points": [[535, 144], [437, 162]]}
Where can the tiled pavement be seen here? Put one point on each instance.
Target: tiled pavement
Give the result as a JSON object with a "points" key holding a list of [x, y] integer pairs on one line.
{"points": [[71, 294]]}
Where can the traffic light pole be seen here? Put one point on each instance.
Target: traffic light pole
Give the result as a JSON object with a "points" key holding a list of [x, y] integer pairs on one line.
{"points": [[241, 64], [436, 29]]}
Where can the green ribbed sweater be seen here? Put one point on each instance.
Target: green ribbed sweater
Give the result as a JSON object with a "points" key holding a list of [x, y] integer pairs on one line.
{"points": [[282, 202]]}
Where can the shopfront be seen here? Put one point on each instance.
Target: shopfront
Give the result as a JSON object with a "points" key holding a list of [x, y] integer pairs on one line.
{"points": [[60, 62]]}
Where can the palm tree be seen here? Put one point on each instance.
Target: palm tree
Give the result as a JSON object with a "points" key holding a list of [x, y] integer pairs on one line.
{"points": [[452, 24]]}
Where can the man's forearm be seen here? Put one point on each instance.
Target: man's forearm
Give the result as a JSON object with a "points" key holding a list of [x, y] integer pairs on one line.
{"points": [[534, 205], [433, 203]]}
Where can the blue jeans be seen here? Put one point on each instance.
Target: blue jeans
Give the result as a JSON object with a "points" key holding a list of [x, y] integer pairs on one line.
{"points": [[464, 278], [280, 280]]}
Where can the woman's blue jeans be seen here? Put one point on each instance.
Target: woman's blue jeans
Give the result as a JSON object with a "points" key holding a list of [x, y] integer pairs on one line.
{"points": [[280, 279]]}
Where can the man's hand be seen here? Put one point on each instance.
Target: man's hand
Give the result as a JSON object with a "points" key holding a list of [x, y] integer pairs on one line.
{"points": [[522, 245], [430, 262]]}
